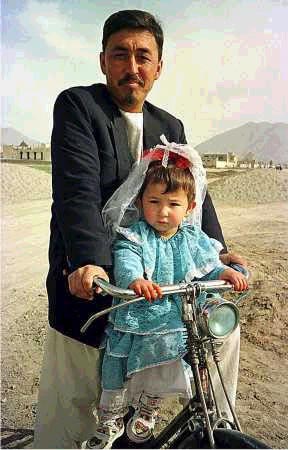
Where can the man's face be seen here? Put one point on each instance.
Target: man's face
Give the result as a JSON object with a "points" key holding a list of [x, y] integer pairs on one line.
{"points": [[130, 63]]}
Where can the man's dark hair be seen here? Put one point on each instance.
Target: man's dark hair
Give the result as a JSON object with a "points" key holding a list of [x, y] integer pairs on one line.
{"points": [[133, 19]]}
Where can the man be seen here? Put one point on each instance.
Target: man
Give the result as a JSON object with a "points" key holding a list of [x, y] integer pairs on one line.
{"points": [[99, 131]]}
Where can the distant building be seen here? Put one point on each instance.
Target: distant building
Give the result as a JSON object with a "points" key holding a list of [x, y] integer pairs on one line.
{"points": [[220, 160], [263, 164], [245, 164], [25, 152]]}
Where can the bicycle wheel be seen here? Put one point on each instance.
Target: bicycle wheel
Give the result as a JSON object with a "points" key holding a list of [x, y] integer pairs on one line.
{"points": [[224, 439]]}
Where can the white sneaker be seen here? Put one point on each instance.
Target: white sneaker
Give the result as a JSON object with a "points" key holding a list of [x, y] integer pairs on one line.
{"points": [[105, 434], [140, 427]]}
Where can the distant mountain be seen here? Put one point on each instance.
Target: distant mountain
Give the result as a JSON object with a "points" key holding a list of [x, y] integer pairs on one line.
{"points": [[264, 140], [10, 136]]}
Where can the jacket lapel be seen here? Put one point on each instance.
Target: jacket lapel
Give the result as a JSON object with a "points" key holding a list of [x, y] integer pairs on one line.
{"points": [[117, 129], [152, 129], [120, 138]]}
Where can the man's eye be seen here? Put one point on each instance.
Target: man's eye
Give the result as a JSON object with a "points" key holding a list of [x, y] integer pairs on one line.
{"points": [[120, 55], [144, 58]]}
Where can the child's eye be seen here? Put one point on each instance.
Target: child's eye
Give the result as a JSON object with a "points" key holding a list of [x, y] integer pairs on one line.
{"points": [[175, 204]]}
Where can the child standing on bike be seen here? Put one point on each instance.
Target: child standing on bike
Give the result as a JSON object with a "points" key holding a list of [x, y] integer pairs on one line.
{"points": [[159, 241]]}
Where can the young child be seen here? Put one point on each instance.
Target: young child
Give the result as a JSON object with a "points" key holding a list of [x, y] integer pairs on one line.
{"points": [[145, 344]]}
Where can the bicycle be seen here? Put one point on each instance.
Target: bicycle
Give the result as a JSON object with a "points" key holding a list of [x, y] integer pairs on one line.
{"points": [[200, 424]]}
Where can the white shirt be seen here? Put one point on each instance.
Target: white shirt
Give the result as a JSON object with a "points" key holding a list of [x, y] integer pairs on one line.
{"points": [[134, 126]]}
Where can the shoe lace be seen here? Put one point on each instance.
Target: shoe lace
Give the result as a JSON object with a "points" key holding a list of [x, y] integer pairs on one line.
{"points": [[148, 407]]}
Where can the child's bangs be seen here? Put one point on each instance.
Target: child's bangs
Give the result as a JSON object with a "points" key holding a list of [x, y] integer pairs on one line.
{"points": [[173, 177]]}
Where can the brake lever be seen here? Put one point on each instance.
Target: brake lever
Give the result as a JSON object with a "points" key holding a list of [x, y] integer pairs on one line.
{"points": [[108, 310]]}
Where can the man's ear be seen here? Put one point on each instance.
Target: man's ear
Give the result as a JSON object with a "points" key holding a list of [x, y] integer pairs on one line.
{"points": [[190, 208], [159, 70], [102, 63]]}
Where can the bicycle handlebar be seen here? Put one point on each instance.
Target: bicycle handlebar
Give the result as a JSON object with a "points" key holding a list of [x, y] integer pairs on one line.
{"points": [[130, 296], [180, 288]]}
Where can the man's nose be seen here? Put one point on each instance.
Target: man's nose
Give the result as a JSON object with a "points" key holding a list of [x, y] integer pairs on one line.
{"points": [[132, 65]]}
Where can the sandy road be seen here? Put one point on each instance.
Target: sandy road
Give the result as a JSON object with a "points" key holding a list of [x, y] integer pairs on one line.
{"points": [[24, 243], [24, 263]]}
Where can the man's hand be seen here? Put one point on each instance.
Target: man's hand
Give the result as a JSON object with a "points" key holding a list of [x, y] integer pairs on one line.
{"points": [[229, 258], [151, 291], [236, 278], [80, 281]]}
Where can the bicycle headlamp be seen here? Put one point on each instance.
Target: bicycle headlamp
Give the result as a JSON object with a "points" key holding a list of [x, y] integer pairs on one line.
{"points": [[218, 317]]}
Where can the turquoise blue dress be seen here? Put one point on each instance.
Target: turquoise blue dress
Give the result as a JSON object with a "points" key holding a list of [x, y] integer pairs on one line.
{"points": [[144, 335]]}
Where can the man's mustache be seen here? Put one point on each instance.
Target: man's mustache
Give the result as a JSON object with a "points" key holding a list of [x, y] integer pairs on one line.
{"points": [[129, 78]]}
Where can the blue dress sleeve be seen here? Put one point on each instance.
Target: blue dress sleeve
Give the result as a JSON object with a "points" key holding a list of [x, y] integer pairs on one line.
{"points": [[205, 255], [128, 266]]}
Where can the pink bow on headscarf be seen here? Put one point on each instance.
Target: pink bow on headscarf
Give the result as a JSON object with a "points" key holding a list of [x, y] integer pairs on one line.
{"points": [[158, 154]]}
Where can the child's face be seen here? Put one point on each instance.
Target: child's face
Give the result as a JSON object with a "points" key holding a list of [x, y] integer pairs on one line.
{"points": [[165, 211]]}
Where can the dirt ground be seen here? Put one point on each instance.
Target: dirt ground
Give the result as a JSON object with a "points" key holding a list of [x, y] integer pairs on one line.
{"points": [[258, 231]]}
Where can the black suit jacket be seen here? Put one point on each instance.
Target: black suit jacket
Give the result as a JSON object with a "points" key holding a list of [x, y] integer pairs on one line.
{"points": [[90, 159]]}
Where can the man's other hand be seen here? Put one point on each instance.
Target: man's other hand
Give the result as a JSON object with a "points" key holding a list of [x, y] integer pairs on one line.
{"points": [[80, 281], [232, 258]]}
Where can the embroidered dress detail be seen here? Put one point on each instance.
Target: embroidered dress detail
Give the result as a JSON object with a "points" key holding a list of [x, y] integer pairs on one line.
{"points": [[130, 235]]}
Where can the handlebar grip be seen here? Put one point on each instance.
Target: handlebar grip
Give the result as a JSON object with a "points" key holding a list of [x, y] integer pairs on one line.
{"points": [[113, 290], [97, 283]]}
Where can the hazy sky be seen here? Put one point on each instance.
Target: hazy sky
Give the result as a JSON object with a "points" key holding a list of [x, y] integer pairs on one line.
{"points": [[225, 62]]}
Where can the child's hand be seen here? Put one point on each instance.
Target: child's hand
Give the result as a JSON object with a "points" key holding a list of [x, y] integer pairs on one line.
{"points": [[151, 291], [236, 278]]}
